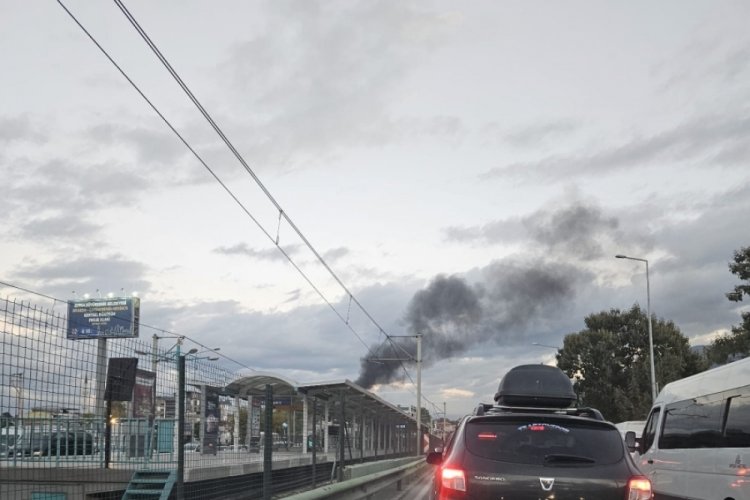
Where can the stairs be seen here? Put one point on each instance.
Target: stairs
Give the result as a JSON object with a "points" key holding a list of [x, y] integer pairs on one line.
{"points": [[150, 485]]}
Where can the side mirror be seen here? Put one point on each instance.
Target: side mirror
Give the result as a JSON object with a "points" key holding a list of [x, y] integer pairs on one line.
{"points": [[435, 457], [631, 441]]}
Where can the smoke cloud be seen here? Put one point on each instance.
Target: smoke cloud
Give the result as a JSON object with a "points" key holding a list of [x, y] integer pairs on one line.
{"points": [[454, 315]]}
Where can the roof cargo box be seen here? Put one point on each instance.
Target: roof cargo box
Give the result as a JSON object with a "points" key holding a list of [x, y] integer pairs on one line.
{"points": [[539, 386]]}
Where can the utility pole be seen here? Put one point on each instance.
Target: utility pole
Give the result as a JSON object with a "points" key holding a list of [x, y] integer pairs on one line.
{"points": [[418, 360], [443, 423], [419, 394]]}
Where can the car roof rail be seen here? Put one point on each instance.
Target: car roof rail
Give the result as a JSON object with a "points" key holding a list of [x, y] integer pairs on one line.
{"points": [[482, 408], [586, 412]]}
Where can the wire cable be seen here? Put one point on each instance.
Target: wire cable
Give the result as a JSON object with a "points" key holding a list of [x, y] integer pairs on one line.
{"points": [[241, 159], [215, 176]]}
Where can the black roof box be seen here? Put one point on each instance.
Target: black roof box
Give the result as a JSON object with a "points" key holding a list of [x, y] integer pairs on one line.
{"points": [[539, 386]]}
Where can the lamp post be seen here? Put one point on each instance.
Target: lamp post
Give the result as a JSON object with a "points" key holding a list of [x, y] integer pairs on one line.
{"points": [[16, 380], [650, 331]]}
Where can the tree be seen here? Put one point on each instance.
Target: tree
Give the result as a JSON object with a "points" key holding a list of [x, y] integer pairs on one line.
{"points": [[737, 343], [609, 361]]}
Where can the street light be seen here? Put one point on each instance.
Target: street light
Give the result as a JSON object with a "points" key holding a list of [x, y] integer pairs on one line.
{"points": [[650, 331]]}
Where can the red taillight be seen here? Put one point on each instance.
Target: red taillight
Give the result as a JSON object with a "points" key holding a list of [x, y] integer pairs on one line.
{"points": [[453, 479], [487, 436], [639, 488]]}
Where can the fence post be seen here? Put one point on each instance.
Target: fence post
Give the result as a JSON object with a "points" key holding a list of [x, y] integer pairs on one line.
{"points": [[314, 439], [268, 444], [342, 436], [180, 493]]}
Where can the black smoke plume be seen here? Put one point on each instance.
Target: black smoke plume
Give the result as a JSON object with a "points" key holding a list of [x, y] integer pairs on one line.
{"points": [[454, 316]]}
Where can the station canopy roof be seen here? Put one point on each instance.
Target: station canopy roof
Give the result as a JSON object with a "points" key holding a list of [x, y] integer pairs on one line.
{"points": [[356, 398], [255, 385]]}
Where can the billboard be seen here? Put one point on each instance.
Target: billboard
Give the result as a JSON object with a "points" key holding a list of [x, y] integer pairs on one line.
{"points": [[120, 379], [143, 394], [103, 318], [211, 419]]}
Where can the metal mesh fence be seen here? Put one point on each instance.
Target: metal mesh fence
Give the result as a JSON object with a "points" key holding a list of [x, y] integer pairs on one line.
{"points": [[60, 439]]}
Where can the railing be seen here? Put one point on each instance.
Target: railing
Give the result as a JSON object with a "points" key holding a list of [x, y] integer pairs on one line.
{"points": [[53, 430]]}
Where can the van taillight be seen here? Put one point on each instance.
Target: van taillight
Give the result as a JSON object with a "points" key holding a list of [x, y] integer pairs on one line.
{"points": [[639, 488], [453, 479]]}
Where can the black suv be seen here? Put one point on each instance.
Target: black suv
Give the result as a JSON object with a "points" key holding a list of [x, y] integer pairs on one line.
{"points": [[532, 445]]}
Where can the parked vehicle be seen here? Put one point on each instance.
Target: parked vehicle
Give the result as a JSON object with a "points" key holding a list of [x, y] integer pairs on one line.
{"points": [[696, 441], [9, 437], [192, 447], [531, 444], [57, 444]]}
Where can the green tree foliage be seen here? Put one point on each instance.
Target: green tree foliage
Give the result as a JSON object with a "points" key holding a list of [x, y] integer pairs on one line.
{"points": [[425, 416], [610, 361], [736, 344]]}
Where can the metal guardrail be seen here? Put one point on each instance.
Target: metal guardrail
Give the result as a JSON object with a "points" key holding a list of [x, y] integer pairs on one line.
{"points": [[364, 487]]}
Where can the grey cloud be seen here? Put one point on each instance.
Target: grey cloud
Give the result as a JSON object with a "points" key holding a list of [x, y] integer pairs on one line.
{"points": [[501, 231], [703, 138], [69, 187], [57, 228], [572, 228], [705, 61], [19, 128], [322, 76], [58, 200], [272, 254], [535, 135], [61, 276], [709, 238], [149, 146], [310, 338], [335, 254]]}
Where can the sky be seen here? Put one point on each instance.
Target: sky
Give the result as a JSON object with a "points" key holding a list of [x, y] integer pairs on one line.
{"points": [[464, 170]]}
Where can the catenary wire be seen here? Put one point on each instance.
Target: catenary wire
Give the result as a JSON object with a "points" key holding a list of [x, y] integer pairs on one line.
{"points": [[215, 176], [240, 158]]}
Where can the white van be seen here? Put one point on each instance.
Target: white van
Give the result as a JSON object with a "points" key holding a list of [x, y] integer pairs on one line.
{"points": [[696, 441]]}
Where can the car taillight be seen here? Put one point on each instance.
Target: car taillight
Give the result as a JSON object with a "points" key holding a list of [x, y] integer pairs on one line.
{"points": [[453, 479], [639, 488]]}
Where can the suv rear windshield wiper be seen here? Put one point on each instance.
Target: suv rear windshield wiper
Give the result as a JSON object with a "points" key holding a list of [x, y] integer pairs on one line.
{"points": [[570, 459]]}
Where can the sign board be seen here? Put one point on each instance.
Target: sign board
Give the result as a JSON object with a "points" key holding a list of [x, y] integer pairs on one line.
{"points": [[144, 391], [120, 379], [211, 419], [104, 318], [254, 417]]}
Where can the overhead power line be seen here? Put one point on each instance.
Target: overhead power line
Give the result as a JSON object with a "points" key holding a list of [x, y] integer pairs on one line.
{"points": [[282, 213], [238, 156]]}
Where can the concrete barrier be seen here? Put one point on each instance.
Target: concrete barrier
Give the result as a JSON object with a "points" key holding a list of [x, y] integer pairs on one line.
{"points": [[366, 484]]}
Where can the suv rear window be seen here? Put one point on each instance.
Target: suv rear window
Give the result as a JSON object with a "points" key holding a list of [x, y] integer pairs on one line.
{"points": [[544, 442]]}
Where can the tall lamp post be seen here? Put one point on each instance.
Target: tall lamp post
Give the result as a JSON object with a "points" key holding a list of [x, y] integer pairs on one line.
{"points": [[650, 331]]}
